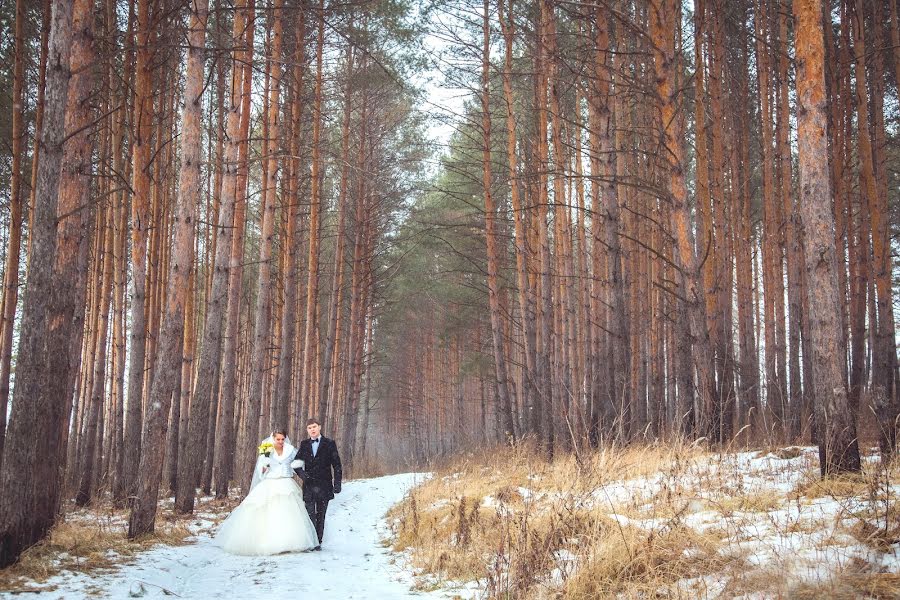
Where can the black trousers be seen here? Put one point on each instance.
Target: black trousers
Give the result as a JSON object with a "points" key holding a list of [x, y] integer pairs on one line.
{"points": [[316, 510]]}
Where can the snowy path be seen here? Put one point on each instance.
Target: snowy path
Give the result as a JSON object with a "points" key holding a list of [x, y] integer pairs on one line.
{"points": [[352, 564]]}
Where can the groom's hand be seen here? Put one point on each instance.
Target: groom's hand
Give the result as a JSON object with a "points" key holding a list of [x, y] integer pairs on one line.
{"points": [[337, 488]]}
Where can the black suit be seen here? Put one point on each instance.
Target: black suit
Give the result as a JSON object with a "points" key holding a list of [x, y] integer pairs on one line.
{"points": [[321, 475]]}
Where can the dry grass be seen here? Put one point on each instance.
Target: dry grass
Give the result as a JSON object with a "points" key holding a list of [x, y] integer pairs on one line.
{"points": [[759, 501], [837, 487], [529, 519], [635, 562], [90, 541], [857, 580], [641, 522]]}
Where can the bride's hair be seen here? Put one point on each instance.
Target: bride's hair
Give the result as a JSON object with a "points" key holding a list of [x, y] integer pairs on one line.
{"points": [[279, 431]]}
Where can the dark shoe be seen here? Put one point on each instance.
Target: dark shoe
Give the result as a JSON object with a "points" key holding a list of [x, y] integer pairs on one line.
{"points": [[318, 547]]}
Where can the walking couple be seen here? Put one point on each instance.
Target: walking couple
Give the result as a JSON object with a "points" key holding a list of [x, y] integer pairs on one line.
{"points": [[275, 517]]}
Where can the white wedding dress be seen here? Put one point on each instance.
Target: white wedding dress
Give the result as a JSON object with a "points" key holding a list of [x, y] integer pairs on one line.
{"points": [[272, 518]]}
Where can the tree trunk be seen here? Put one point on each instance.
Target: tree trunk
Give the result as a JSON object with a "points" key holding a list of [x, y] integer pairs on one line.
{"points": [[308, 404], [772, 265], [169, 358], [267, 231], [522, 250], [490, 236], [238, 151], [838, 446], [98, 364], [264, 294], [11, 273], [338, 280], [140, 227], [609, 285], [543, 424], [664, 15], [884, 350], [28, 505], [38, 128]]}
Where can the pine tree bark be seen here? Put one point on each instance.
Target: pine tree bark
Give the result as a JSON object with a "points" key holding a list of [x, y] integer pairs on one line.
{"points": [[338, 281], [38, 129], [267, 228], [238, 151], [838, 446], [522, 250], [97, 391], [357, 314], [307, 401], [263, 317], [493, 285], [544, 418], [772, 265], [28, 506], [883, 390], [169, 358], [140, 227], [120, 274], [664, 15], [723, 337], [608, 282]]}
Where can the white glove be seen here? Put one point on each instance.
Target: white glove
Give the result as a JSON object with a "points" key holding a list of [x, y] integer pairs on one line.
{"points": [[297, 464]]}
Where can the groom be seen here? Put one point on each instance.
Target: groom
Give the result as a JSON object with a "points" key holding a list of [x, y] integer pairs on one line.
{"points": [[320, 457]]}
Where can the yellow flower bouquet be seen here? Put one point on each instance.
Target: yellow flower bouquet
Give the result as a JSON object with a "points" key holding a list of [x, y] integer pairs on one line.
{"points": [[266, 448]]}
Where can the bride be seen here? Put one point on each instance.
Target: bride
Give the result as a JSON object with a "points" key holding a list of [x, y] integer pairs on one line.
{"points": [[272, 518]]}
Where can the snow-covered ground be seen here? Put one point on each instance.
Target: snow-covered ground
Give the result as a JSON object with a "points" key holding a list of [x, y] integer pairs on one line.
{"points": [[354, 562]]}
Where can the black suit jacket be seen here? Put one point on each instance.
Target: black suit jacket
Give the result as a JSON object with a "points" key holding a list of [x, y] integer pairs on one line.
{"points": [[321, 473]]}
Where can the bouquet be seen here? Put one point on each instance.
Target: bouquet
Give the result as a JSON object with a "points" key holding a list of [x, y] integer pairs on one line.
{"points": [[266, 448]]}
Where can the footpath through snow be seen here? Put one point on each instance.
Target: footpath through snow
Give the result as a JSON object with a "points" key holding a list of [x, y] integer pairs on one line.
{"points": [[353, 562]]}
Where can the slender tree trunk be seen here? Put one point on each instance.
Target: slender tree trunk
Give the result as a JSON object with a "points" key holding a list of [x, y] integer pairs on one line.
{"points": [[608, 279], [884, 352], [543, 427], [38, 129], [721, 201], [169, 358], [120, 270], [309, 405], [140, 227], [664, 14], [357, 314], [11, 272], [264, 293], [838, 446], [491, 243], [526, 302], [263, 319], [98, 364], [772, 266], [238, 150], [338, 280]]}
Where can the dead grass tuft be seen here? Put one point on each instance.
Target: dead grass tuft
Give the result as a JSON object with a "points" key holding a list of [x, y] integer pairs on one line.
{"points": [[635, 562], [838, 486], [758, 501], [788, 453], [857, 580]]}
